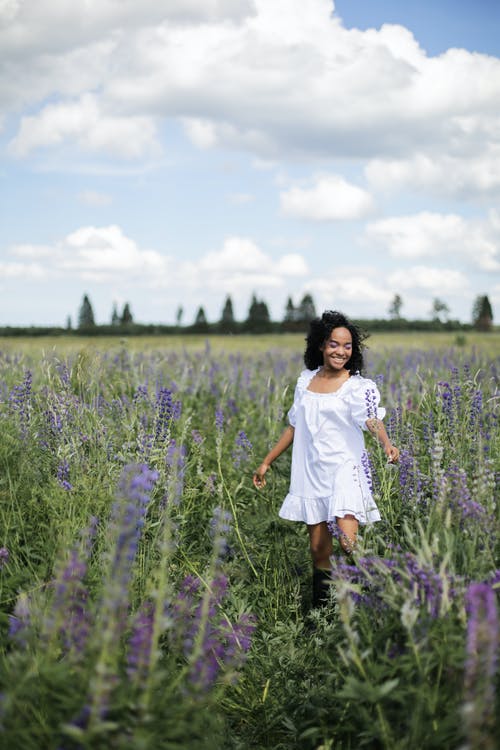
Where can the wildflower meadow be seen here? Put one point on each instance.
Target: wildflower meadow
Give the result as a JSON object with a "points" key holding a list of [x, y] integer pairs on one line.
{"points": [[151, 598]]}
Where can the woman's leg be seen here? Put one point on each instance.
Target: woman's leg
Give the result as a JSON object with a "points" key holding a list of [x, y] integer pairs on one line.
{"points": [[348, 526], [320, 541]]}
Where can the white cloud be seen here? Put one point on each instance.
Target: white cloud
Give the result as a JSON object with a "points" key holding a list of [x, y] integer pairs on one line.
{"points": [[452, 175], [438, 236], [240, 265], [94, 131], [24, 271], [261, 76], [97, 254], [106, 254], [331, 198], [438, 281], [200, 132]]}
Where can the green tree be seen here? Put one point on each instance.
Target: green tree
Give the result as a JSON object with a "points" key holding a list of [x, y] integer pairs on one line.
{"points": [[395, 307], [115, 318], [227, 311], [200, 321], [178, 315], [86, 314], [126, 318], [258, 319], [306, 310], [290, 312], [227, 323], [482, 314], [439, 309]]}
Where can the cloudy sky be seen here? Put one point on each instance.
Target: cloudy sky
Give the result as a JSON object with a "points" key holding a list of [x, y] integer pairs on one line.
{"points": [[170, 152]]}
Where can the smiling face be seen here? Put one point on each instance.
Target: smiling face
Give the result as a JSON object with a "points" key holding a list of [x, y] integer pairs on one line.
{"points": [[337, 349]]}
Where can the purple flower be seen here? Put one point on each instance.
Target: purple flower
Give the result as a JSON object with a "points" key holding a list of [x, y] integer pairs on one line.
{"points": [[163, 414], [20, 402], [209, 642], [176, 462], [4, 556], [139, 644], [242, 449], [219, 419], [220, 527], [141, 394], [127, 519], [20, 620], [63, 476], [480, 664], [70, 616]]}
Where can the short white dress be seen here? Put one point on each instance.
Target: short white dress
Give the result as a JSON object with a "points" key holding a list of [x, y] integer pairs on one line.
{"points": [[330, 475]]}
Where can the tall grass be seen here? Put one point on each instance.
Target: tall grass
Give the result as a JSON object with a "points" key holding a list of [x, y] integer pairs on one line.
{"points": [[150, 597]]}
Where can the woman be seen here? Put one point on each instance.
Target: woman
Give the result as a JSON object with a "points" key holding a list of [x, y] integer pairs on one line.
{"points": [[330, 477]]}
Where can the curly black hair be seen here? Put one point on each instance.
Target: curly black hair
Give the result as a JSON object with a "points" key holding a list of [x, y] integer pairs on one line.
{"points": [[319, 332]]}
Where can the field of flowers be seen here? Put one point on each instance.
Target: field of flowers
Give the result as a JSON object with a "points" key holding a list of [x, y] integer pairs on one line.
{"points": [[151, 598]]}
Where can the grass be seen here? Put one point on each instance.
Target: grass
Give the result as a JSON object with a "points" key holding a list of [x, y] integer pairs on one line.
{"points": [[377, 342], [403, 657]]}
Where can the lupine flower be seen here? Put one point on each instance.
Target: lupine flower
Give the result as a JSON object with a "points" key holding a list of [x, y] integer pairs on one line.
{"points": [[141, 394], [209, 642], [220, 528], [219, 419], [4, 556], [242, 449], [63, 476], [480, 665], [461, 499], [446, 401], [210, 485], [70, 618], [476, 407], [418, 583], [127, 519], [163, 413], [20, 620], [197, 437], [20, 402], [139, 644], [176, 462]]}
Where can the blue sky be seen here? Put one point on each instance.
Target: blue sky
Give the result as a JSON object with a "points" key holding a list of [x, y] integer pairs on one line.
{"points": [[168, 153]]}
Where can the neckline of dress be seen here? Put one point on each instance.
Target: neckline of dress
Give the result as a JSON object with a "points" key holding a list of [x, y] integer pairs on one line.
{"points": [[328, 393]]}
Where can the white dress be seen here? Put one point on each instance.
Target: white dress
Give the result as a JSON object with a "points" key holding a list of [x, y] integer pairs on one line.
{"points": [[330, 476]]}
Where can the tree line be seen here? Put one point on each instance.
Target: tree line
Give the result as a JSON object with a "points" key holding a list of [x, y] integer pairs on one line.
{"points": [[258, 320], [295, 317]]}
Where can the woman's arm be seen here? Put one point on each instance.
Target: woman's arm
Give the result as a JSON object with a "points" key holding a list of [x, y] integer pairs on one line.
{"points": [[377, 428], [283, 443]]}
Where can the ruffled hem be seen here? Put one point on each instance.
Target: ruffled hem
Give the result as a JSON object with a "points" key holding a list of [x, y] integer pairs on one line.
{"points": [[316, 510]]}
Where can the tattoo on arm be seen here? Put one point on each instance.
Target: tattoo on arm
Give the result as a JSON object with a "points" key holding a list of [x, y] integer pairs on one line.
{"points": [[373, 424]]}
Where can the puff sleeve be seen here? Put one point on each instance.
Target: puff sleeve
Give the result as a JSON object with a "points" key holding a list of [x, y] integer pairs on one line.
{"points": [[364, 401], [302, 382]]}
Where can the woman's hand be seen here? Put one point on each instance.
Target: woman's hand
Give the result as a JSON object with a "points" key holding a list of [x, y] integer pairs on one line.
{"points": [[258, 476], [392, 454]]}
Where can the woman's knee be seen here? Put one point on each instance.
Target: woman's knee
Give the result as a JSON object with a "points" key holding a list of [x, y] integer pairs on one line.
{"points": [[320, 548], [348, 528]]}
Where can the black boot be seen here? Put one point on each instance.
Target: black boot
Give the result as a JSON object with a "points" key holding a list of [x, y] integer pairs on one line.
{"points": [[320, 587]]}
